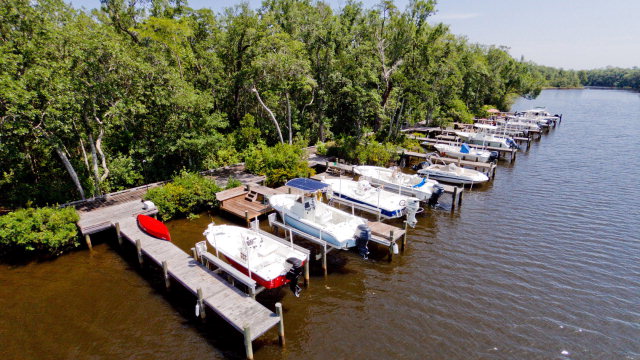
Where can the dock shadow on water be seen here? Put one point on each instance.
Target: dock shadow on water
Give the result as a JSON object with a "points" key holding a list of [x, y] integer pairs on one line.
{"points": [[539, 264]]}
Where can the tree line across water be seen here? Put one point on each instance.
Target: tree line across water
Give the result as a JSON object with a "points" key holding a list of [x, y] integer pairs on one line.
{"points": [[137, 91]]}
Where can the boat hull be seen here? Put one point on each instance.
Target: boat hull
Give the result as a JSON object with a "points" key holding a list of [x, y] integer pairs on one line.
{"points": [[387, 213], [452, 179], [314, 231], [153, 227], [267, 284]]}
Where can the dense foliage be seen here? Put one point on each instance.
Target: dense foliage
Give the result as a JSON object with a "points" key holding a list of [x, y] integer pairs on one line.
{"points": [[187, 195], [134, 91], [279, 163], [39, 230], [612, 77], [364, 151]]}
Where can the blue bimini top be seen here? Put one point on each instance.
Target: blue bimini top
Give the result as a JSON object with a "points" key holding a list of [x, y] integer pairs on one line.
{"points": [[308, 185], [464, 148]]}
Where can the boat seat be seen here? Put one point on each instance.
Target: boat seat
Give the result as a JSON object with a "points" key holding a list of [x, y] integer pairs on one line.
{"points": [[267, 248]]}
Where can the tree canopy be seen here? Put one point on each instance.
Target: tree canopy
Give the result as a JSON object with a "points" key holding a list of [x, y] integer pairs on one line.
{"points": [[137, 91]]}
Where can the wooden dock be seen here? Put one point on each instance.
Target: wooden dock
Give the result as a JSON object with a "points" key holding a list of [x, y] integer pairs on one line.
{"points": [[246, 201], [213, 293]]}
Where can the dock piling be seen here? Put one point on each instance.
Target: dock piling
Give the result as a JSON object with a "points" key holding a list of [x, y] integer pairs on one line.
{"points": [[201, 303], [391, 244], [281, 324], [87, 239], [404, 237], [139, 251], [248, 347], [306, 272], [118, 234], [454, 198], [324, 261], [165, 272]]}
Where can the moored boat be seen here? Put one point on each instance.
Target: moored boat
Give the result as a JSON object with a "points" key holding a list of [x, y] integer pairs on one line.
{"points": [[452, 174], [390, 205], [270, 263], [397, 181], [465, 152], [487, 135], [318, 219], [153, 227]]}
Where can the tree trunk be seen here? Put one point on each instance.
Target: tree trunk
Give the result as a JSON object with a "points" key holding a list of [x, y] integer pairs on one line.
{"points": [[286, 94], [273, 117], [102, 157], [94, 162], [70, 170]]}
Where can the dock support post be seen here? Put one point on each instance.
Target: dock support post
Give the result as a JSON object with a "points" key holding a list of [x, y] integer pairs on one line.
{"points": [[194, 253], [87, 239], [201, 303], [404, 237], [391, 243], [118, 234], [306, 272], [165, 272], [246, 218], [248, 348], [454, 198], [139, 250], [324, 261], [280, 324], [460, 198]]}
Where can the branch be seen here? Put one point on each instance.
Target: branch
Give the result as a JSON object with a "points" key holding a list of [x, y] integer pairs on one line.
{"points": [[273, 117]]}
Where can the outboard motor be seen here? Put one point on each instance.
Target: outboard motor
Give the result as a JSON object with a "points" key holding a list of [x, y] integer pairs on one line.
{"points": [[363, 235], [421, 165], [494, 156], [293, 274], [512, 144], [413, 206], [437, 191]]}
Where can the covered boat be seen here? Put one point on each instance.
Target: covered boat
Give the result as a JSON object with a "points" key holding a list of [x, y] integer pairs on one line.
{"points": [[391, 205], [465, 152], [401, 183], [267, 261], [153, 227], [487, 135], [452, 174]]}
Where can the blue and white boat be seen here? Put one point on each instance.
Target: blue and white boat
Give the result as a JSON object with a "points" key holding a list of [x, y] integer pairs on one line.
{"points": [[401, 183], [390, 205], [318, 219]]}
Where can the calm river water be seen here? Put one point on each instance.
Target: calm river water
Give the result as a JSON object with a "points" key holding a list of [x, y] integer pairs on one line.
{"points": [[543, 263]]}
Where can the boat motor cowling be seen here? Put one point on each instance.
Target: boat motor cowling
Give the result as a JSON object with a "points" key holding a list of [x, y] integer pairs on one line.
{"points": [[494, 156], [437, 191], [363, 235], [293, 274], [421, 165], [512, 144], [413, 206]]}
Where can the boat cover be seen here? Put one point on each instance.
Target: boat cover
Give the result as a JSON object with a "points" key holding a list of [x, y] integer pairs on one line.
{"points": [[309, 185], [464, 148]]}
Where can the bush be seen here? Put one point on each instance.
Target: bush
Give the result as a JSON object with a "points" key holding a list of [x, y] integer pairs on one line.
{"points": [[279, 163], [39, 230], [187, 195], [365, 151]]}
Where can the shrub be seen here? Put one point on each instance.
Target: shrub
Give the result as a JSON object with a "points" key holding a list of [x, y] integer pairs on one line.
{"points": [[187, 195], [365, 151], [39, 230], [279, 163]]}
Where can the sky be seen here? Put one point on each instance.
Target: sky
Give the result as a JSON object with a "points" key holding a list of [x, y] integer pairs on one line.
{"points": [[569, 34]]}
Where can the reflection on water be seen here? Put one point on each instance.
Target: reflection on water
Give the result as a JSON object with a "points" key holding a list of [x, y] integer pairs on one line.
{"points": [[542, 263]]}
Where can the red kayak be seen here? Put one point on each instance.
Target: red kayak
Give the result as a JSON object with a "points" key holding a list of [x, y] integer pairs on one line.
{"points": [[153, 227]]}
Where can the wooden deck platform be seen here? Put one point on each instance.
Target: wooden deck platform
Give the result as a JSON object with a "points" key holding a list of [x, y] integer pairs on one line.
{"points": [[247, 201], [213, 292]]}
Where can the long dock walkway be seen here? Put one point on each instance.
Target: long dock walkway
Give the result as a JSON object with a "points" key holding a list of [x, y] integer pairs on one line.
{"points": [[213, 292]]}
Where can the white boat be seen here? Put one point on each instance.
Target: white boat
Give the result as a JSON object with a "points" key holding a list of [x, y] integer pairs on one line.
{"points": [[539, 114], [465, 152], [269, 262], [391, 205], [318, 219], [487, 135], [401, 183], [516, 123], [452, 174]]}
